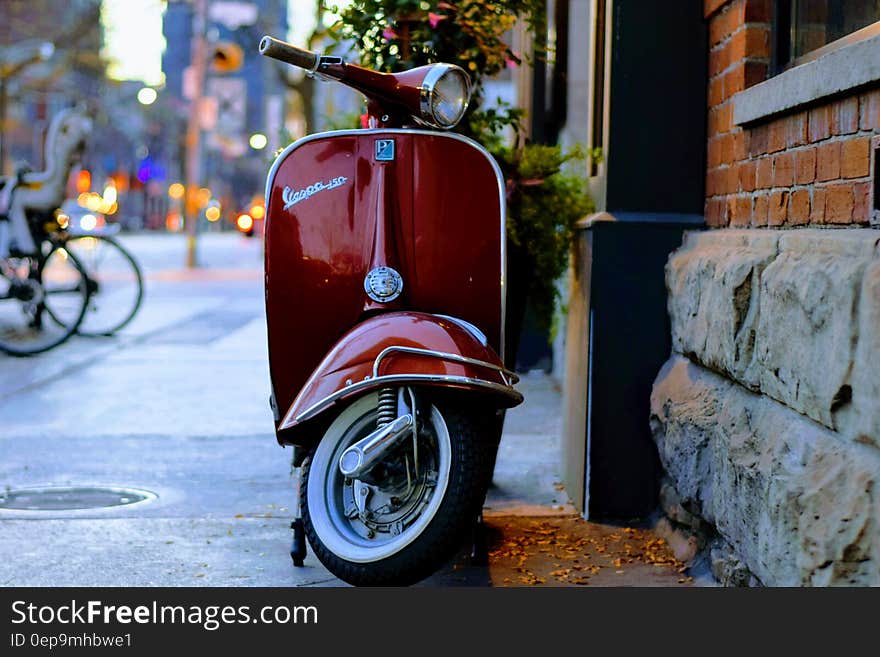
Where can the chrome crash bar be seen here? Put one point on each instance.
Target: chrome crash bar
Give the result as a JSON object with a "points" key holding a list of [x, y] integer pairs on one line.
{"points": [[508, 377]]}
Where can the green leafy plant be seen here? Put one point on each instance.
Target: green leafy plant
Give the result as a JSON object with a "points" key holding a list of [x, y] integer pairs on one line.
{"points": [[396, 35], [544, 201]]}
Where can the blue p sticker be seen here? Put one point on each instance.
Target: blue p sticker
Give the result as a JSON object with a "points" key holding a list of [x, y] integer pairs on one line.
{"points": [[384, 150]]}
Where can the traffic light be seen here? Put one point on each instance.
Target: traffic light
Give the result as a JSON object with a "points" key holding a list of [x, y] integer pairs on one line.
{"points": [[226, 57]]}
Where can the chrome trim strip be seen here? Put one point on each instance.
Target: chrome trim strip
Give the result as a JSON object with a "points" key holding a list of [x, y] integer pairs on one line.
{"points": [[505, 374], [470, 328], [328, 401], [502, 197]]}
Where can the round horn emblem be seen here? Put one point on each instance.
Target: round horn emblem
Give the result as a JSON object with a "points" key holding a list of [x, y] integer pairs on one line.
{"points": [[383, 284]]}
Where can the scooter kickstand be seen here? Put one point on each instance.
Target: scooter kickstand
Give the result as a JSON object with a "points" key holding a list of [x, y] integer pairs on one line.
{"points": [[479, 544], [298, 546]]}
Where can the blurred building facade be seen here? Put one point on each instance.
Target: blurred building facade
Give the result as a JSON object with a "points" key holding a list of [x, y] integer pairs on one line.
{"points": [[75, 72], [75, 75], [244, 96]]}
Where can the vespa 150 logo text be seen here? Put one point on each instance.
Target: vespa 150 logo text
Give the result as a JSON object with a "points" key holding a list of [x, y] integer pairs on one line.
{"points": [[292, 197]]}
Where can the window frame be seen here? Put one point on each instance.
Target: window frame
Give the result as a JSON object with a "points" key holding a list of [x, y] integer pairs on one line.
{"points": [[780, 30]]}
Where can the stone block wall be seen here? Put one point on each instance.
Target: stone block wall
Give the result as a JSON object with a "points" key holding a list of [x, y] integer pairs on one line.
{"points": [[767, 415]]}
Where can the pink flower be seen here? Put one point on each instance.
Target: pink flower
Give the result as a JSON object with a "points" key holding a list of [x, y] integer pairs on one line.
{"points": [[388, 34], [511, 63], [434, 19]]}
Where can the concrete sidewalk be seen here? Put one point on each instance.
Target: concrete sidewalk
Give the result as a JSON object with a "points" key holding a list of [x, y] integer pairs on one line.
{"points": [[534, 535], [527, 471]]}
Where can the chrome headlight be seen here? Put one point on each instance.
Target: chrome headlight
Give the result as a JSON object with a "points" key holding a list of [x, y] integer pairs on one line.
{"points": [[446, 91]]}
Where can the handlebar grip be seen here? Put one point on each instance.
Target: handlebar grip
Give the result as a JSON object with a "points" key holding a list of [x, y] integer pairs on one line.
{"points": [[290, 54]]}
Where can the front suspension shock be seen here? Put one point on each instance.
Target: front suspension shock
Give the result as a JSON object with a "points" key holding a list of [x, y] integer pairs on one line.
{"points": [[387, 408]]}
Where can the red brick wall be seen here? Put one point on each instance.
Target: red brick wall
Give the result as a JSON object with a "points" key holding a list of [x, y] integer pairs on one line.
{"points": [[811, 166]]}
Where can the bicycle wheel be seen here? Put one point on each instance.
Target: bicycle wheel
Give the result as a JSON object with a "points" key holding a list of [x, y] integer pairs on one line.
{"points": [[117, 285], [43, 298]]}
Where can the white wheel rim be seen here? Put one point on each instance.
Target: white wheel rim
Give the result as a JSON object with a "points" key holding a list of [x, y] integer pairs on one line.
{"points": [[323, 490]]}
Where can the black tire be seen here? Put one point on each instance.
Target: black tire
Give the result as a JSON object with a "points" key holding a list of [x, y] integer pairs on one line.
{"points": [[471, 445], [92, 252], [48, 334]]}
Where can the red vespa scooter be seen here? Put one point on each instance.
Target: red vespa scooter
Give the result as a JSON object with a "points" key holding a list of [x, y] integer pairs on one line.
{"points": [[385, 285]]}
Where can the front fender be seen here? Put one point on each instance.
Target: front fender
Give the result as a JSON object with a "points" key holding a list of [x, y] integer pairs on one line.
{"points": [[403, 348]]}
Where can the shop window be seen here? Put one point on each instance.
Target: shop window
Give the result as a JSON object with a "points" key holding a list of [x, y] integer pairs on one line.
{"points": [[806, 29], [550, 71]]}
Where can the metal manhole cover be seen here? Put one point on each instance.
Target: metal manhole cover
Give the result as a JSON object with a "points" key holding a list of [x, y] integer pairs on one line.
{"points": [[70, 498]]}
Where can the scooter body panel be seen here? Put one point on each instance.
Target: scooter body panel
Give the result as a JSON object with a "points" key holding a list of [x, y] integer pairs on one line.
{"points": [[340, 204]]}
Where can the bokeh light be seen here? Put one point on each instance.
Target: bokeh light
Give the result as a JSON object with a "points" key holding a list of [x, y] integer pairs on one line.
{"points": [[244, 222], [147, 96]]}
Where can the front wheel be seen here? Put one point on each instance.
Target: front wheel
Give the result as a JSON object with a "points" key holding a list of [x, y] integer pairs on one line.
{"points": [[405, 518]]}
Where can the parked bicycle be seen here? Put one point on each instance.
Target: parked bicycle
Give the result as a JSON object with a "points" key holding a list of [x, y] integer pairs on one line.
{"points": [[44, 289], [68, 280]]}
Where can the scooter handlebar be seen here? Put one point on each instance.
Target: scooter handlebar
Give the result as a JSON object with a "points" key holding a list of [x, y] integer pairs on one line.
{"points": [[288, 53]]}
